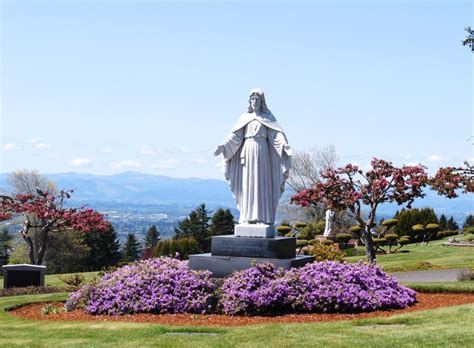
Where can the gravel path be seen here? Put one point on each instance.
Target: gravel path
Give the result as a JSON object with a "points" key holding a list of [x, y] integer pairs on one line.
{"points": [[438, 275]]}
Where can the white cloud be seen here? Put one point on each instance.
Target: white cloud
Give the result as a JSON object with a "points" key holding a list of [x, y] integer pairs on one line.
{"points": [[199, 160], [9, 147], [126, 164], [408, 156], [166, 164], [185, 149], [32, 140], [435, 158], [42, 145], [145, 150], [106, 150], [79, 162]]}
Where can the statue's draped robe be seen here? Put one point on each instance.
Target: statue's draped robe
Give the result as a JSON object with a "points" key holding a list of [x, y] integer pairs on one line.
{"points": [[257, 163]]}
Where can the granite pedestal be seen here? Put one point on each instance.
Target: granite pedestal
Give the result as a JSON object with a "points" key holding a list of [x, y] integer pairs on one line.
{"points": [[231, 253], [18, 276]]}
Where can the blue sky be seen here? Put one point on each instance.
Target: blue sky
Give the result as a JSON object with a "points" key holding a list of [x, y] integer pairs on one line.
{"points": [[104, 87]]}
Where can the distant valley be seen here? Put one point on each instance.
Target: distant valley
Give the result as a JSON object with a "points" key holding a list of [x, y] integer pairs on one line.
{"points": [[134, 201]]}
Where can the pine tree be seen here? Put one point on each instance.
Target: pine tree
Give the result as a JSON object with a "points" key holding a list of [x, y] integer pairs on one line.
{"points": [[131, 249], [443, 223], [196, 225], [469, 222], [152, 237], [222, 223], [5, 238], [452, 225], [104, 249]]}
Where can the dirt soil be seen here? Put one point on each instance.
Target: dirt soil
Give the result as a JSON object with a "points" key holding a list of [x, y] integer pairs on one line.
{"points": [[425, 301]]}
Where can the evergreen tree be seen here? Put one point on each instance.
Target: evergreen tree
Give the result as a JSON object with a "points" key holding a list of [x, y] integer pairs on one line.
{"points": [[469, 222], [104, 249], [131, 249], [443, 223], [196, 225], [408, 218], [67, 252], [222, 223], [452, 225], [152, 237], [5, 246]]}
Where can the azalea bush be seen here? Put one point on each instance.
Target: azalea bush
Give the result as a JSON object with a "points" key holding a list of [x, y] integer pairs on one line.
{"points": [[317, 287], [161, 285]]}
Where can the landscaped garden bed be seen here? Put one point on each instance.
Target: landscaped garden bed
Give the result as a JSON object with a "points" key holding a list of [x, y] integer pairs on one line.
{"points": [[425, 302]]}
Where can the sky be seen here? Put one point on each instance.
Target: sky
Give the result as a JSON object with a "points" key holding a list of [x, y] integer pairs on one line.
{"points": [[104, 87]]}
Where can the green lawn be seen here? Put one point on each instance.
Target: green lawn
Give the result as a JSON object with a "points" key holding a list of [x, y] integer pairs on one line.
{"points": [[458, 286], [408, 258], [448, 327]]}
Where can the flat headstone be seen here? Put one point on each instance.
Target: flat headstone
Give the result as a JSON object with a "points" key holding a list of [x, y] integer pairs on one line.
{"points": [[20, 276]]}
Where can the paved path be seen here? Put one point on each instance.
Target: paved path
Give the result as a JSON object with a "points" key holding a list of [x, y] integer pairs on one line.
{"points": [[438, 275]]}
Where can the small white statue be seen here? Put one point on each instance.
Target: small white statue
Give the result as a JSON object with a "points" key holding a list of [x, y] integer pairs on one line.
{"points": [[257, 160], [329, 222]]}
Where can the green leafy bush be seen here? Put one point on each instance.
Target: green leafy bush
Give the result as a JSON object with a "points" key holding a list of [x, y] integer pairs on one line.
{"points": [[313, 229], [323, 252], [404, 240], [184, 246], [356, 229], [379, 242], [328, 242], [75, 279], [444, 234], [469, 230]]}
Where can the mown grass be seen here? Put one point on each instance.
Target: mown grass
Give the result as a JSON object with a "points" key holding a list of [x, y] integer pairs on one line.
{"points": [[435, 287], [446, 327], [412, 257]]}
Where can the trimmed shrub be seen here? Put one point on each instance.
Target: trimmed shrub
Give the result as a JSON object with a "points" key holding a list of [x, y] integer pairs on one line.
{"points": [[283, 230], [343, 238], [391, 237], [162, 285], [328, 242], [356, 229], [316, 287], [389, 223], [74, 280], [301, 243], [444, 234], [379, 242], [323, 252], [300, 225], [404, 240]]}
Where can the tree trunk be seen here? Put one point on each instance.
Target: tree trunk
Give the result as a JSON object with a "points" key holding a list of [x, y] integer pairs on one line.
{"points": [[44, 244], [29, 247], [369, 247]]}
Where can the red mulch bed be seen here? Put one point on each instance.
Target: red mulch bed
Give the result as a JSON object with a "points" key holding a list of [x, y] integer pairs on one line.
{"points": [[425, 301]]}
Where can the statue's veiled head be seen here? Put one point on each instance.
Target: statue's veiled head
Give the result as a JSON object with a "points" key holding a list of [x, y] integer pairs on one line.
{"points": [[257, 101]]}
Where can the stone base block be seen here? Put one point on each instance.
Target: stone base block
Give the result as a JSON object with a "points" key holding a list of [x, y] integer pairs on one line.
{"points": [[19, 276], [273, 248], [254, 230], [222, 266]]}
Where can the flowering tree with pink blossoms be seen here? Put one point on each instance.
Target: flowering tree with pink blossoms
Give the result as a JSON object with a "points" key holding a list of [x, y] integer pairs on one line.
{"points": [[50, 215], [350, 188]]}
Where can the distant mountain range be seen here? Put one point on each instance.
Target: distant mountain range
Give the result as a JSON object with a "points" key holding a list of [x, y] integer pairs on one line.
{"points": [[134, 187], [138, 188]]}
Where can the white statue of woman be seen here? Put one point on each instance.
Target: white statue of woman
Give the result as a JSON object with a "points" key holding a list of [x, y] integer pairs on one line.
{"points": [[257, 160], [329, 221]]}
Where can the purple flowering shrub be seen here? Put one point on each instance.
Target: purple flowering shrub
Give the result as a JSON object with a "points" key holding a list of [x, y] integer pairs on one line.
{"points": [[252, 291], [160, 285], [316, 287]]}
